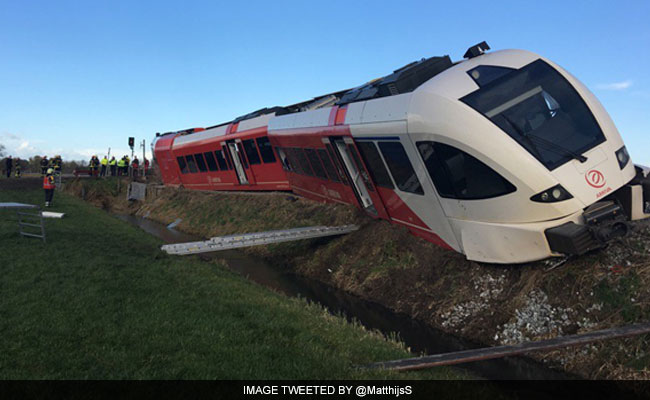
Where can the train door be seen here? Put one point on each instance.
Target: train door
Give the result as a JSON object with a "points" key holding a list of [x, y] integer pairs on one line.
{"points": [[360, 182], [234, 149]]}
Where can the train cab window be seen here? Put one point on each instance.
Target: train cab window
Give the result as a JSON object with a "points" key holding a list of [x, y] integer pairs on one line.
{"points": [[191, 164], [222, 161], [375, 164], [329, 167], [304, 163], [251, 152], [200, 162], [316, 164], [182, 165], [400, 167], [542, 111], [266, 150], [458, 175], [209, 159]]}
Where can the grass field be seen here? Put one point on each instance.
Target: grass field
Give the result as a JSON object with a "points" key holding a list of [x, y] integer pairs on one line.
{"points": [[100, 301]]}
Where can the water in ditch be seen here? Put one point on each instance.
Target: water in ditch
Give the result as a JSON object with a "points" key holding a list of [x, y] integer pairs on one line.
{"points": [[420, 337]]}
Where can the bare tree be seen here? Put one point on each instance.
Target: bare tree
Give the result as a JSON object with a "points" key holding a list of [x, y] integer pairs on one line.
{"points": [[2, 150]]}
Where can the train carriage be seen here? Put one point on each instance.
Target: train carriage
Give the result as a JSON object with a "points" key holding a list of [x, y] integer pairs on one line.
{"points": [[504, 157], [232, 156]]}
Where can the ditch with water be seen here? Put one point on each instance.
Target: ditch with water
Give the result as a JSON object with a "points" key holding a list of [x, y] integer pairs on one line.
{"points": [[418, 336]]}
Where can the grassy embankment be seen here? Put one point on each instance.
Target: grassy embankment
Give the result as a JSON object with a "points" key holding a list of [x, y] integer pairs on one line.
{"points": [[384, 263], [100, 301]]}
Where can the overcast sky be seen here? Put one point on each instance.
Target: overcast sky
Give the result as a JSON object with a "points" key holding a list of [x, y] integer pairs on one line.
{"points": [[78, 77]]}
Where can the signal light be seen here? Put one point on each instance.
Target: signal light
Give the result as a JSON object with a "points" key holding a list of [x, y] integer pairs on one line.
{"points": [[623, 157], [131, 142]]}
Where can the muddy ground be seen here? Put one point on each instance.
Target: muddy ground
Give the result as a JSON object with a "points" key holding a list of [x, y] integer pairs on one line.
{"points": [[489, 304]]}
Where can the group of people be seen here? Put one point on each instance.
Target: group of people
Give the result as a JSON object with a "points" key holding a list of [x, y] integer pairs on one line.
{"points": [[116, 167], [12, 164], [54, 163]]}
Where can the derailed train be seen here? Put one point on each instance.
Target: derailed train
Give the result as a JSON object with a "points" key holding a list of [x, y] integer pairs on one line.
{"points": [[504, 156]]}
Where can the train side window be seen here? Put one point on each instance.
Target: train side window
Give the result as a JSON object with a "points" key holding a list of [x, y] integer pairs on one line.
{"points": [[200, 162], [329, 167], [304, 163], [375, 164], [251, 152], [337, 164], [209, 159], [228, 157], [223, 165], [316, 164], [266, 150], [284, 159], [191, 164], [239, 151], [400, 167], [361, 168], [458, 175], [293, 160], [182, 165]]}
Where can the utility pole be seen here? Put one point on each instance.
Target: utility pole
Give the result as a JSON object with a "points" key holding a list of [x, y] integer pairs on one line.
{"points": [[131, 144], [144, 172]]}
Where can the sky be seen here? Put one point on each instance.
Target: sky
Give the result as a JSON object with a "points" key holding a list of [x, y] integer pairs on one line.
{"points": [[80, 77]]}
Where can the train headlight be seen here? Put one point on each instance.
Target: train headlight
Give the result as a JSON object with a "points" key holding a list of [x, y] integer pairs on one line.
{"points": [[623, 157], [552, 195]]}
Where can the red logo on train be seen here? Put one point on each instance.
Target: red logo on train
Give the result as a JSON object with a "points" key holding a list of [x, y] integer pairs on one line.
{"points": [[595, 178]]}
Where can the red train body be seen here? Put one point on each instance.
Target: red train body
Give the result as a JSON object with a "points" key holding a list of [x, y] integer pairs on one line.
{"points": [[225, 157]]}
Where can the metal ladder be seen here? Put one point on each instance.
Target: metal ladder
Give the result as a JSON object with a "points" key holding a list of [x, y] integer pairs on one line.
{"points": [[253, 239], [27, 220]]}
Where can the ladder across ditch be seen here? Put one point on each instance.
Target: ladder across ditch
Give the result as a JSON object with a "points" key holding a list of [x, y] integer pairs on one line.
{"points": [[258, 238]]}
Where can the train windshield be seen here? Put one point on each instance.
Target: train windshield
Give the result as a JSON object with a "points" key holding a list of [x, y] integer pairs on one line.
{"points": [[538, 108]]}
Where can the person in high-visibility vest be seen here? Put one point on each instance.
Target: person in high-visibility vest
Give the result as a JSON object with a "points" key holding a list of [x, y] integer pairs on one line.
{"points": [[17, 167], [120, 166], [113, 165], [57, 163], [104, 163], [49, 186]]}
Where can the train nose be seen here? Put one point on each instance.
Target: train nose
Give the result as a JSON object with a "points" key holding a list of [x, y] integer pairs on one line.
{"points": [[603, 222]]}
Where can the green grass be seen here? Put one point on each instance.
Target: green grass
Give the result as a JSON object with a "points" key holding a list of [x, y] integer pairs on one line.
{"points": [[100, 301]]}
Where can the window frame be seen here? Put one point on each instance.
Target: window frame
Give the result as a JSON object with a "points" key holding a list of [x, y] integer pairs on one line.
{"points": [[183, 168], [210, 161], [200, 162], [441, 172], [191, 164], [252, 153], [371, 165], [265, 148], [394, 168]]}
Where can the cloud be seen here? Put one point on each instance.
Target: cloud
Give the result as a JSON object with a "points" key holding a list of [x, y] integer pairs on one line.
{"points": [[24, 147], [615, 85]]}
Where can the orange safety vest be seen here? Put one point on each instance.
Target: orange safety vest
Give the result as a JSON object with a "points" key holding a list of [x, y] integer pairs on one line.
{"points": [[48, 182]]}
